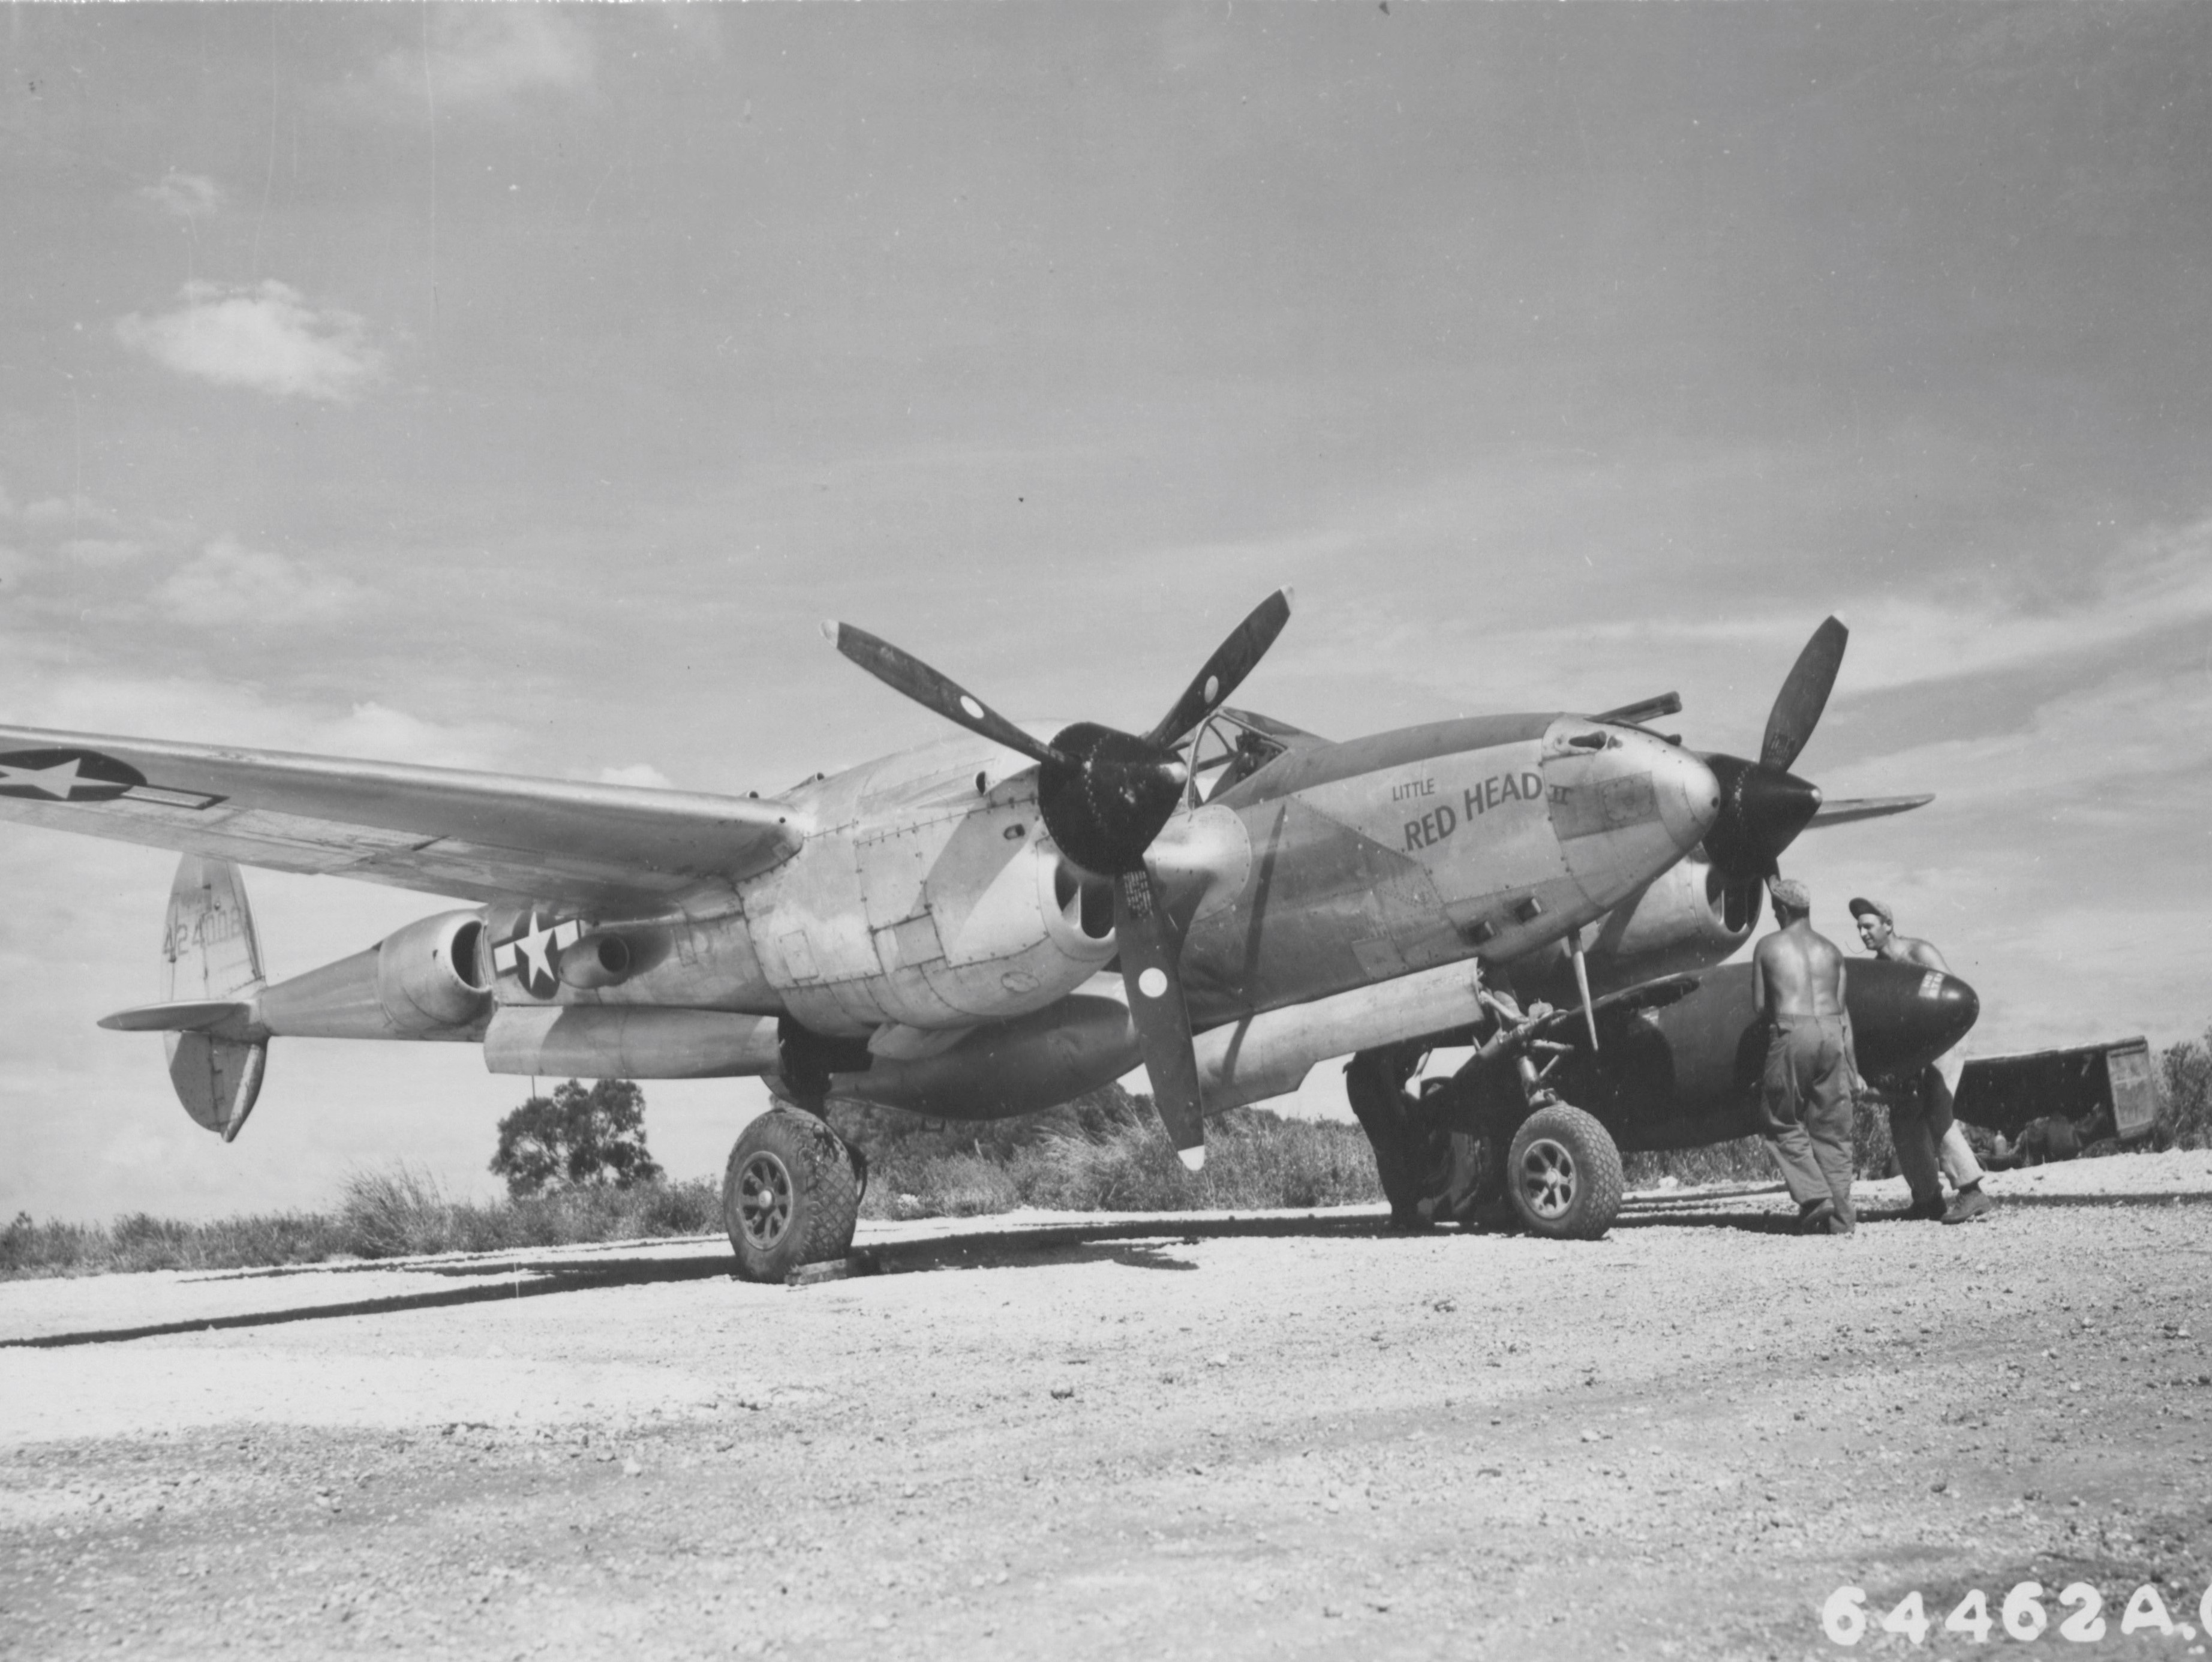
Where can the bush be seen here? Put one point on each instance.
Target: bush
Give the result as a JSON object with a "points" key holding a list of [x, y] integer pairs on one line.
{"points": [[1743, 1160], [574, 1137], [2185, 1118], [1103, 1152]]}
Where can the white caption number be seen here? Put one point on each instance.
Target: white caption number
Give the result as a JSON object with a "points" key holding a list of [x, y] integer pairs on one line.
{"points": [[2085, 1626], [2147, 1610], [1971, 1618], [1843, 1619], [2024, 1617], [1908, 1618]]}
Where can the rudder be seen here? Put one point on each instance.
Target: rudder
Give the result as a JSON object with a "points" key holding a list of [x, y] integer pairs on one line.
{"points": [[209, 951]]}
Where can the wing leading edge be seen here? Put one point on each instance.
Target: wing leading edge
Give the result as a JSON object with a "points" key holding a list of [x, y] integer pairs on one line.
{"points": [[475, 836]]}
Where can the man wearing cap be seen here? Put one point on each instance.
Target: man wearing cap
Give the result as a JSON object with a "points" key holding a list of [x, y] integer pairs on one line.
{"points": [[1797, 979], [1929, 1140]]}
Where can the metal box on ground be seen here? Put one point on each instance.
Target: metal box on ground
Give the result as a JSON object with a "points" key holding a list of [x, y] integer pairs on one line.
{"points": [[2113, 1084]]}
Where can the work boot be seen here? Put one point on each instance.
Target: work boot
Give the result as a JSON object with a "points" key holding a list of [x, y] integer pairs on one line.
{"points": [[1813, 1217], [1969, 1204], [1930, 1210]]}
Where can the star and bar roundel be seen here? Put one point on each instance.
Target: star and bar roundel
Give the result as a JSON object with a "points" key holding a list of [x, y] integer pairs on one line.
{"points": [[533, 953], [65, 775]]}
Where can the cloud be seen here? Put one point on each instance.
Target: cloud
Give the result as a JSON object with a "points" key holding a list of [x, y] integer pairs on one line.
{"points": [[638, 773], [376, 733], [72, 511], [231, 584], [182, 196], [479, 58], [264, 337], [101, 550]]}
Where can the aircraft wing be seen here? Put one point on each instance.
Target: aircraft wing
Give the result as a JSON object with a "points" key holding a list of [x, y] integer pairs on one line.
{"points": [[475, 836]]}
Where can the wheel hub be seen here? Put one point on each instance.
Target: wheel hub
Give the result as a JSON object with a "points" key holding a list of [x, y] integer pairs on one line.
{"points": [[1547, 1178], [764, 1200]]}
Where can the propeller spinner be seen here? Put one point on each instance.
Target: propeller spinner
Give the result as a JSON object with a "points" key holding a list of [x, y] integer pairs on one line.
{"points": [[1104, 795]]}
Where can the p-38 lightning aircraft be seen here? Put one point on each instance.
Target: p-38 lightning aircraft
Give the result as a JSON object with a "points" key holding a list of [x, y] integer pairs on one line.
{"points": [[983, 926]]}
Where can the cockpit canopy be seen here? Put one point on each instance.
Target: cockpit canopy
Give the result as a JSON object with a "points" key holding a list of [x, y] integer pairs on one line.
{"points": [[1233, 745]]}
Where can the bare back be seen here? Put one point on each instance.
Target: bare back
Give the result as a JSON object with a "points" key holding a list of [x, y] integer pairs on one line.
{"points": [[1796, 972]]}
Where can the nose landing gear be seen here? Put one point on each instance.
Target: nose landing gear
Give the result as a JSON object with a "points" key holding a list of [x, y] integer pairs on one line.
{"points": [[1491, 1146]]}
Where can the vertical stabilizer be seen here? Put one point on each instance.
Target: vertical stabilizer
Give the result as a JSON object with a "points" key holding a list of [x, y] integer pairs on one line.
{"points": [[209, 951]]}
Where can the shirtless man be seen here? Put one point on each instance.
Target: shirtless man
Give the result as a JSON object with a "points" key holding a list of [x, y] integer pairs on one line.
{"points": [[1929, 1140], [1797, 980]]}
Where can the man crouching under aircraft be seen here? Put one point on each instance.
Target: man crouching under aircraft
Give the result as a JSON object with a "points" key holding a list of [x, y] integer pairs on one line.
{"points": [[1920, 1122], [1805, 1090]]}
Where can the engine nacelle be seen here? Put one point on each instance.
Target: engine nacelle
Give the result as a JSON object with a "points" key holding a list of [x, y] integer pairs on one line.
{"points": [[431, 974], [425, 981], [1685, 919]]}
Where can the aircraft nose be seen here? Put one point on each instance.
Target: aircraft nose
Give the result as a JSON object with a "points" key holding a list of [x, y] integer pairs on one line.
{"points": [[1687, 791]]}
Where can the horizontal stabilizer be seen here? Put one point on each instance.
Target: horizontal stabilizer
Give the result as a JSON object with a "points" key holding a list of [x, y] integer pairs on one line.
{"points": [[187, 1016], [1846, 809], [1667, 703]]}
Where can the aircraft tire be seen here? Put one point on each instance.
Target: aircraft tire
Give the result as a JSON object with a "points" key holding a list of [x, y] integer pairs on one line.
{"points": [[791, 1195], [1563, 1175]]}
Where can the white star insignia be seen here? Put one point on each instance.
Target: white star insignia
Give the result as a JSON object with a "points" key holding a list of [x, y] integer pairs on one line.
{"points": [[531, 955], [59, 782]]}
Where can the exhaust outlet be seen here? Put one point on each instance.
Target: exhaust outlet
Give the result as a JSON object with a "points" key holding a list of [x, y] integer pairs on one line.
{"points": [[598, 960]]}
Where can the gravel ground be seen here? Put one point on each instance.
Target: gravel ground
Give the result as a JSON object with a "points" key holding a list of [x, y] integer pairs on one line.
{"points": [[1258, 1436]]}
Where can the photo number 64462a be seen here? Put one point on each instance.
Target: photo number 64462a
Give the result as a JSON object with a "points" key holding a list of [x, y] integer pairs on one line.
{"points": [[2023, 1615]]}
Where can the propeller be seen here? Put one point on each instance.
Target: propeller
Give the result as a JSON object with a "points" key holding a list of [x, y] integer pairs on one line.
{"points": [[1763, 804], [1104, 795]]}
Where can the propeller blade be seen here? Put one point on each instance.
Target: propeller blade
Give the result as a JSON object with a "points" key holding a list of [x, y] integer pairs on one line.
{"points": [[1804, 694], [903, 671], [1154, 979], [1232, 661], [1581, 985], [1845, 809]]}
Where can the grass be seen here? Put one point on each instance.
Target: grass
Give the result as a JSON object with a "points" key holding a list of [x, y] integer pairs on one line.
{"points": [[396, 1212], [1104, 1152]]}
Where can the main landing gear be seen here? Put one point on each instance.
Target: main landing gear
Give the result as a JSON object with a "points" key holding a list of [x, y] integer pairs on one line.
{"points": [[1489, 1146], [791, 1194]]}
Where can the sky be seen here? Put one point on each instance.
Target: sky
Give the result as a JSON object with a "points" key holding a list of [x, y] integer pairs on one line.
{"points": [[518, 388]]}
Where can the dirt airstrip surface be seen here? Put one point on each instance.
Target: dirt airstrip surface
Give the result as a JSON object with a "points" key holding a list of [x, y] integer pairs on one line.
{"points": [[1280, 1436]]}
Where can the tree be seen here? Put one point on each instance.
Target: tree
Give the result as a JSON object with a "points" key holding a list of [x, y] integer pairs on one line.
{"points": [[574, 1137]]}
